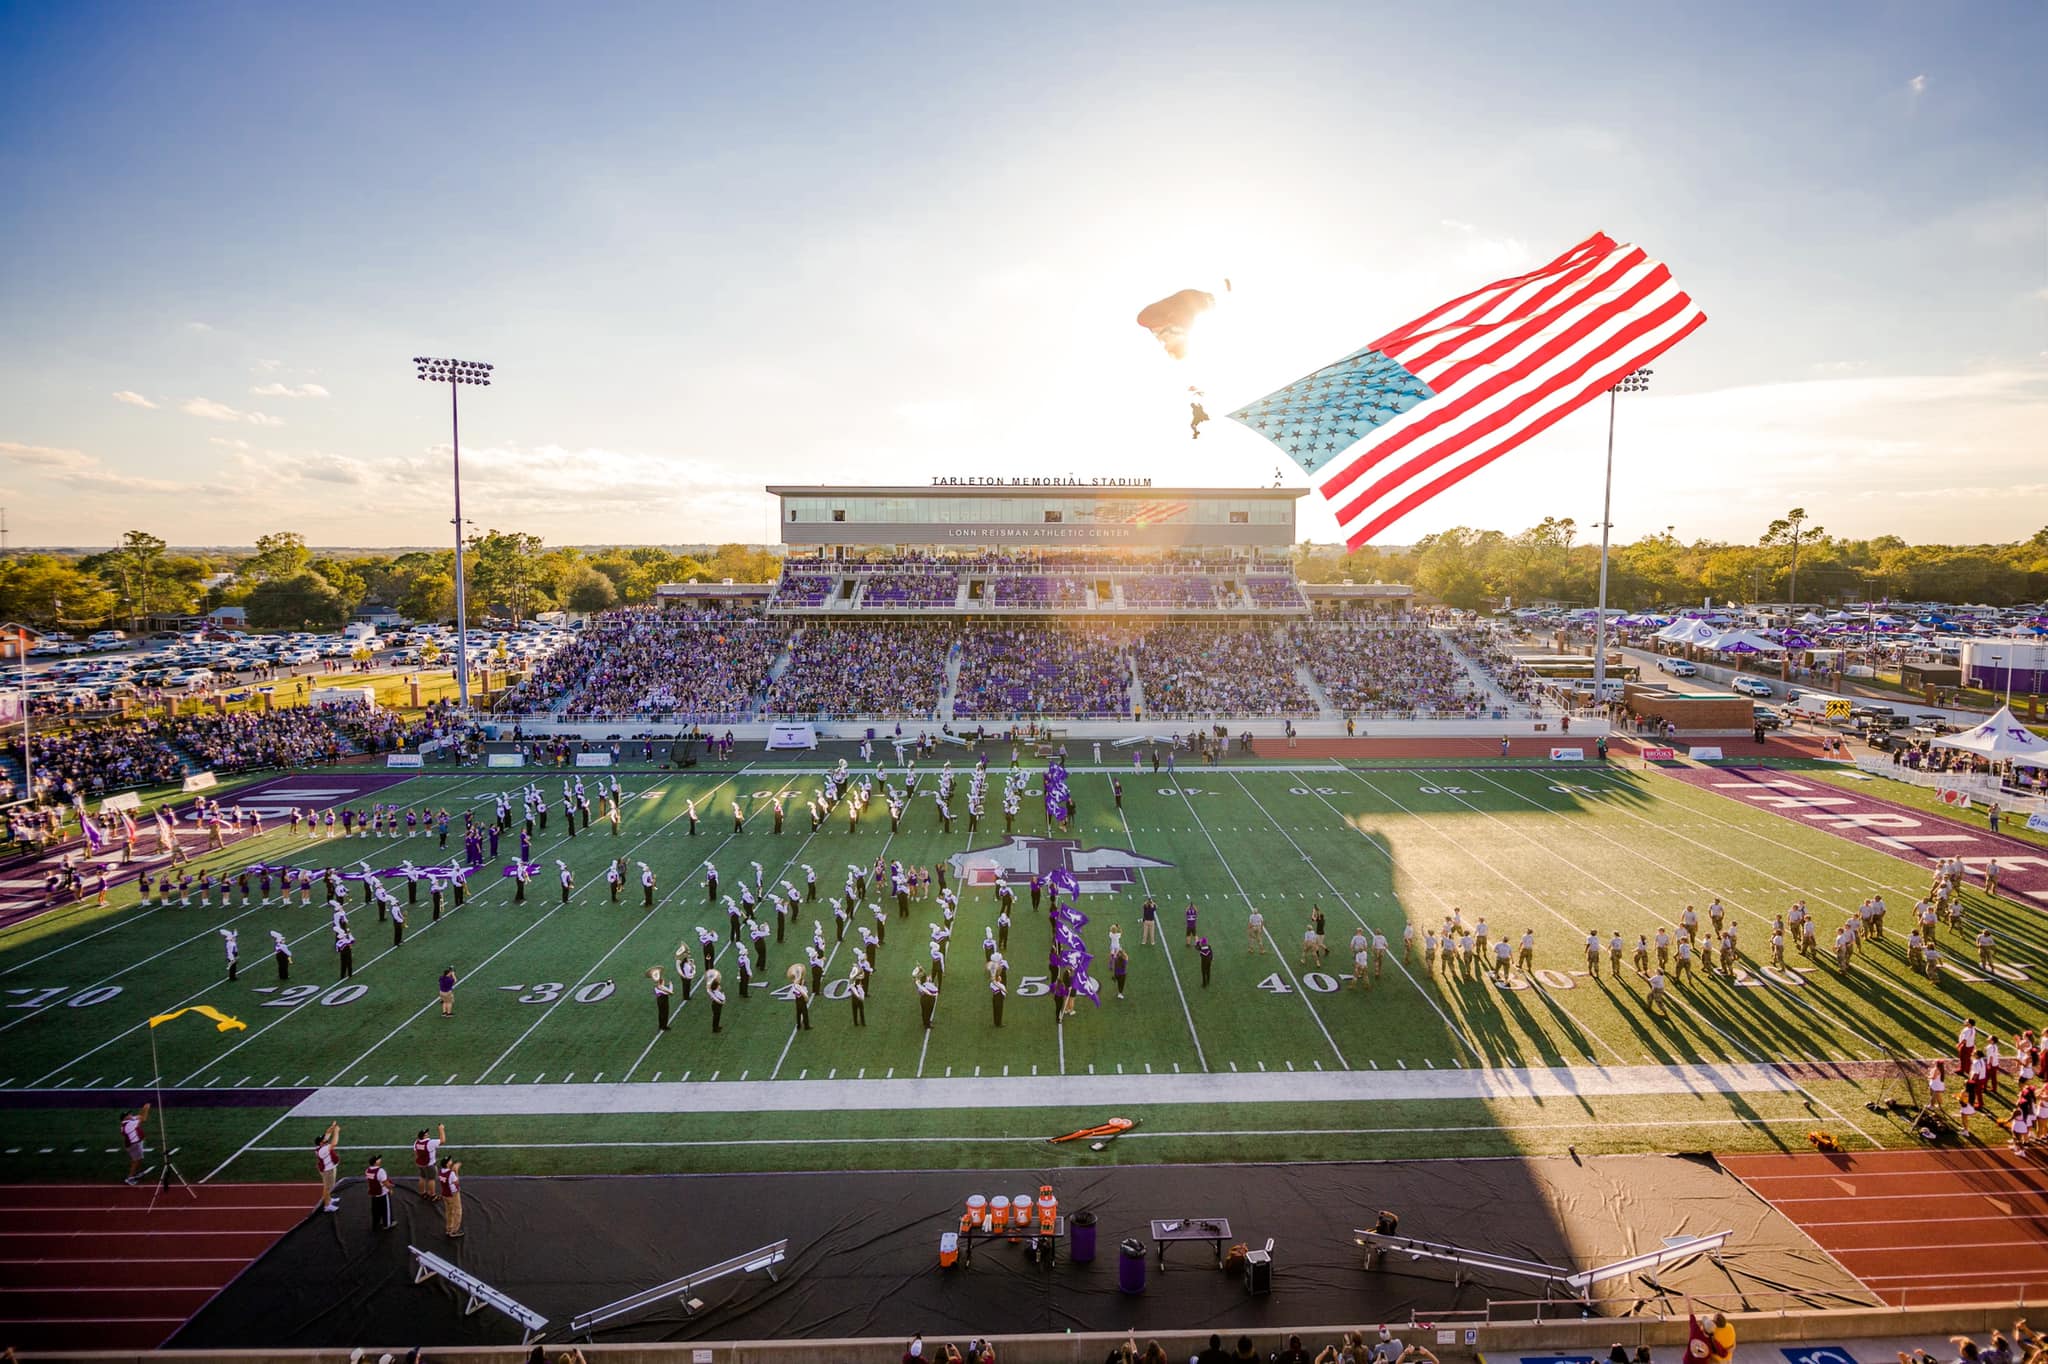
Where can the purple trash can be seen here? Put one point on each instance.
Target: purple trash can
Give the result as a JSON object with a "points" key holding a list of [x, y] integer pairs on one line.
{"points": [[1081, 1238], [1130, 1266]]}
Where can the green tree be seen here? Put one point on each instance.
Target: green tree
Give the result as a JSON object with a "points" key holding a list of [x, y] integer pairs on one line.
{"points": [[1791, 529], [281, 554], [304, 601], [502, 571], [138, 572], [428, 597], [46, 591], [588, 590]]}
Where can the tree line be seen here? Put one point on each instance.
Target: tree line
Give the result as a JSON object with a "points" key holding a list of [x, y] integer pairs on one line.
{"points": [[1792, 560], [284, 585]]}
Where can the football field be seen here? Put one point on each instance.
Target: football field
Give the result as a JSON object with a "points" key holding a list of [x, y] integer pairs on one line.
{"points": [[552, 1061]]}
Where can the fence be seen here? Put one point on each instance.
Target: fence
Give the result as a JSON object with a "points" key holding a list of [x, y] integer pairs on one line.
{"points": [[1981, 787]]}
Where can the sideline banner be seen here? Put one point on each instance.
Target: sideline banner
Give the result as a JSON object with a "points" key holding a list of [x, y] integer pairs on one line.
{"points": [[1567, 755], [1660, 755], [1953, 798], [2038, 821], [404, 760], [792, 736], [602, 759], [200, 781], [1705, 753], [127, 800], [504, 760]]}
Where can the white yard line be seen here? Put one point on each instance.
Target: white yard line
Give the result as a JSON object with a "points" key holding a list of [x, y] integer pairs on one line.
{"points": [[1680, 999], [1308, 1000], [421, 1011], [1345, 900], [1165, 949]]}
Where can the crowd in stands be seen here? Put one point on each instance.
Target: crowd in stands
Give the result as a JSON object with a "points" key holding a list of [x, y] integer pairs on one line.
{"points": [[909, 591], [1387, 670], [1036, 591], [839, 668], [155, 750], [1273, 590], [1216, 669], [803, 589], [1487, 648], [383, 731], [694, 666], [1041, 669], [1169, 591], [108, 758], [298, 737]]}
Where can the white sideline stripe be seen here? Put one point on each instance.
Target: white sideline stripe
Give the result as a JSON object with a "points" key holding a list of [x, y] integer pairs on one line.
{"points": [[1046, 1091], [1127, 1136]]}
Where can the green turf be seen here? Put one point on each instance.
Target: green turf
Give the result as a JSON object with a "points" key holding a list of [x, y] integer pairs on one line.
{"points": [[1557, 851]]}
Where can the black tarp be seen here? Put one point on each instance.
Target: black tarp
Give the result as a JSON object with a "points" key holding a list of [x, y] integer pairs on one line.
{"points": [[863, 1249]]}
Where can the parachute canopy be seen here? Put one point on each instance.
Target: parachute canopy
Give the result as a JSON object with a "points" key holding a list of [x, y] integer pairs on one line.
{"points": [[1171, 317]]}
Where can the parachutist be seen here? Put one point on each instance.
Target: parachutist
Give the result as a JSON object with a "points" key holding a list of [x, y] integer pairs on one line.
{"points": [[1196, 416]]}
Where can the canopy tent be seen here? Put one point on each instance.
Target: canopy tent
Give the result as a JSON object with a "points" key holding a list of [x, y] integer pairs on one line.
{"points": [[2002, 738], [1743, 642], [1687, 632]]}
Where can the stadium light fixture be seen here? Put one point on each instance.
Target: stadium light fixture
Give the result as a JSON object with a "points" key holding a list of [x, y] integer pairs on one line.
{"points": [[1636, 381], [456, 373]]}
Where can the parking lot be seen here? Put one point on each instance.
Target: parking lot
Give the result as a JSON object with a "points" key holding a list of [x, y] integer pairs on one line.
{"points": [[106, 668]]}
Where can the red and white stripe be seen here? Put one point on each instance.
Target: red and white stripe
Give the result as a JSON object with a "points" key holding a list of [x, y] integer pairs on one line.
{"points": [[1506, 362]]}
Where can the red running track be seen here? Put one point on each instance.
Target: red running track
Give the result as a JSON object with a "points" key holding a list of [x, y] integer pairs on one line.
{"points": [[1919, 1228], [90, 1267]]}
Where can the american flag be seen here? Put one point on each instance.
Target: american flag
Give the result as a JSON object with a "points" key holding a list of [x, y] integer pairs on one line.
{"points": [[1139, 513], [1433, 402]]}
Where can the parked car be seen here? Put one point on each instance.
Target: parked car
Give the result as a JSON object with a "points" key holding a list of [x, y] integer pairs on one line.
{"points": [[1751, 686], [1678, 667]]}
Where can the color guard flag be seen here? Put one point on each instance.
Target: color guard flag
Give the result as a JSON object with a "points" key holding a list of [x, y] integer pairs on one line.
{"points": [[1431, 403], [222, 1023]]}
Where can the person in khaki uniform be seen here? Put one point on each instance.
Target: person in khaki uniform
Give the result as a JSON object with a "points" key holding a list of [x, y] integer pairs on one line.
{"points": [[451, 1196]]}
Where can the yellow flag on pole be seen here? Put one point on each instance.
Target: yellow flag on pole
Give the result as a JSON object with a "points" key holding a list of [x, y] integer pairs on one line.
{"points": [[222, 1023]]}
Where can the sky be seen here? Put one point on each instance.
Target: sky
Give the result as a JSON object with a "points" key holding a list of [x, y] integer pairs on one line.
{"points": [[710, 248]]}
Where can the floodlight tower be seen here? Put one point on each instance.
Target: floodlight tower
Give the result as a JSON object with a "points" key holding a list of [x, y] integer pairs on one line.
{"points": [[1637, 381], [456, 373]]}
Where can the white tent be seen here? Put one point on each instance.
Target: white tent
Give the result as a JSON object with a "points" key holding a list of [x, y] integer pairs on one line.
{"points": [[2002, 738], [1687, 632], [1743, 642]]}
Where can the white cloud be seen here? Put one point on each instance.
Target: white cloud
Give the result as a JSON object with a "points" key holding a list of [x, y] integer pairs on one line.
{"points": [[221, 412], [211, 410], [77, 469], [277, 390], [198, 327], [109, 481], [44, 457], [132, 398], [1917, 85]]}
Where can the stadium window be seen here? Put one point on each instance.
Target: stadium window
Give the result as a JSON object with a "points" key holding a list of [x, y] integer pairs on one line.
{"points": [[1240, 518], [1053, 518], [839, 513]]}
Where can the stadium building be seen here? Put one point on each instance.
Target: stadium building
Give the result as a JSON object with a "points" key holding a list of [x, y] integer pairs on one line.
{"points": [[1100, 549]]}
